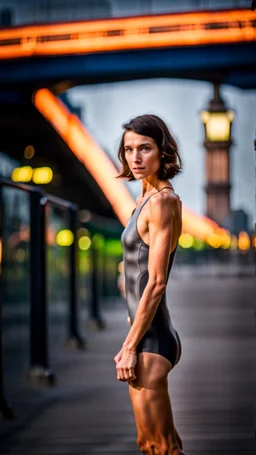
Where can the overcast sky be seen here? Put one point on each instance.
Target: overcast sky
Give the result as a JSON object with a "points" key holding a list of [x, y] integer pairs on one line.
{"points": [[107, 106]]}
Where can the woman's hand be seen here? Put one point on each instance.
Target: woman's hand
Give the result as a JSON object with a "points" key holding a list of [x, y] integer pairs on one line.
{"points": [[126, 360]]}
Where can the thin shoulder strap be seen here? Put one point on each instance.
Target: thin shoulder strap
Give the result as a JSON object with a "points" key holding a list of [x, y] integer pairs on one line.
{"points": [[166, 187], [153, 195]]}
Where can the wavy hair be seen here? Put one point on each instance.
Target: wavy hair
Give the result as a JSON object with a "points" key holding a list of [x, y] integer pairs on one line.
{"points": [[154, 127]]}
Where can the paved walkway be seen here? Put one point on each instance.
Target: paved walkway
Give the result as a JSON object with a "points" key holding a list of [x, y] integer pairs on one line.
{"points": [[212, 389]]}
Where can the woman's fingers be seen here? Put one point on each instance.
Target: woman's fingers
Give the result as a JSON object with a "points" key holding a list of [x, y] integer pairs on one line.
{"points": [[125, 374], [120, 374], [125, 365], [132, 374], [118, 357]]}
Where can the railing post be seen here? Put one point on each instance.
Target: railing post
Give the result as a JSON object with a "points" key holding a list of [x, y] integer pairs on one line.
{"points": [[5, 410], [39, 368], [74, 338], [254, 142], [95, 314]]}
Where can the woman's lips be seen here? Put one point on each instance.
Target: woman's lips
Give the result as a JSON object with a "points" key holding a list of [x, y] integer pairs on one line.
{"points": [[137, 169]]}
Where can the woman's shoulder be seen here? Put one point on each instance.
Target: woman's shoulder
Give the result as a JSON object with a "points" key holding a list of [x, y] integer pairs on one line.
{"points": [[166, 198]]}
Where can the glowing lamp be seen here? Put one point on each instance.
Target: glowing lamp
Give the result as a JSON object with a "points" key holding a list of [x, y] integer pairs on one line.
{"points": [[42, 175], [217, 125], [65, 237], [22, 174]]}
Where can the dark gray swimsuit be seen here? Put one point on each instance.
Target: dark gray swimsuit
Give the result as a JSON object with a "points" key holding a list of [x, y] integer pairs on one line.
{"points": [[161, 337]]}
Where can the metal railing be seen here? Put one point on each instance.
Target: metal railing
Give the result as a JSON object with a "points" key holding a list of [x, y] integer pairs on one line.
{"points": [[38, 341]]}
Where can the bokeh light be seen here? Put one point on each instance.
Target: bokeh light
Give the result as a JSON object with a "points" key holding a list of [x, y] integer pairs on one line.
{"points": [[84, 242], [42, 175], [22, 174], [243, 241], [65, 237], [186, 240], [29, 152], [214, 240]]}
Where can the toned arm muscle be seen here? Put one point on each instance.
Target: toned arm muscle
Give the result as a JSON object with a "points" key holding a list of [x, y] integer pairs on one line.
{"points": [[161, 216]]}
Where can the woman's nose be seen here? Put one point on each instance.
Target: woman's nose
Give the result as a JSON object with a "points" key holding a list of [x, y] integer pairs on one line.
{"points": [[136, 158]]}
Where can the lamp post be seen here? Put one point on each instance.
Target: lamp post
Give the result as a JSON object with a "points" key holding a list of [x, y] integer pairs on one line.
{"points": [[217, 120]]}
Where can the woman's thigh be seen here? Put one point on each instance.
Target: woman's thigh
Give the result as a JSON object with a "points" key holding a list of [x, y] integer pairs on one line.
{"points": [[151, 371], [150, 398]]}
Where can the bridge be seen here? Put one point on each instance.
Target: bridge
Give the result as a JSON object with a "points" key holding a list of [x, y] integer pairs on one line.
{"points": [[217, 46], [213, 45]]}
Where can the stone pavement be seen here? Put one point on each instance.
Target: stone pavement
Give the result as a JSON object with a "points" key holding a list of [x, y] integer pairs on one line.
{"points": [[212, 389]]}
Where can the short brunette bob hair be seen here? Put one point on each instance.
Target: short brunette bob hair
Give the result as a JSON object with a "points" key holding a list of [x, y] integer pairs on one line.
{"points": [[152, 126]]}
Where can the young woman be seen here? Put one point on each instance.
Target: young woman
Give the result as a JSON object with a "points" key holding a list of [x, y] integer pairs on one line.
{"points": [[149, 153]]}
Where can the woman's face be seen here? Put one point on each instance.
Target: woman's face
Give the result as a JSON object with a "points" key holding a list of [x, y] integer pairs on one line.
{"points": [[142, 155]]}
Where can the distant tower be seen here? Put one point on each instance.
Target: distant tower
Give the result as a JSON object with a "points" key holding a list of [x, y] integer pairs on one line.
{"points": [[217, 120]]}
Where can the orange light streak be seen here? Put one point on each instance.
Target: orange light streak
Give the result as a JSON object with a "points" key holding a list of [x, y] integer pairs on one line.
{"points": [[140, 32], [102, 169], [87, 151]]}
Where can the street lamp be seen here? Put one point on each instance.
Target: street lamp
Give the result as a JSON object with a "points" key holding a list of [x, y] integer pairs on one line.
{"points": [[217, 125], [217, 120]]}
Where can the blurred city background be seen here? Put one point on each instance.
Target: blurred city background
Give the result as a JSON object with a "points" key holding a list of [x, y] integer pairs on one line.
{"points": [[71, 73]]}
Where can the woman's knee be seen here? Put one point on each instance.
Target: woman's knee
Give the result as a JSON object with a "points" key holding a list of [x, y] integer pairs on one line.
{"points": [[153, 448], [143, 445]]}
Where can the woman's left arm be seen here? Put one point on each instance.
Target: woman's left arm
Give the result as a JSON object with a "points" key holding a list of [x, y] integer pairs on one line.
{"points": [[161, 215]]}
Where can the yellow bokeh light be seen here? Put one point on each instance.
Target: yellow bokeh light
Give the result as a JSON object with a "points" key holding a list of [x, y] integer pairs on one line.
{"points": [[243, 241], [214, 240], [186, 240], [233, 242], [225, 241], [65, 237], [42, 175], [84, 242], [29, 152], [22, 174]]}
